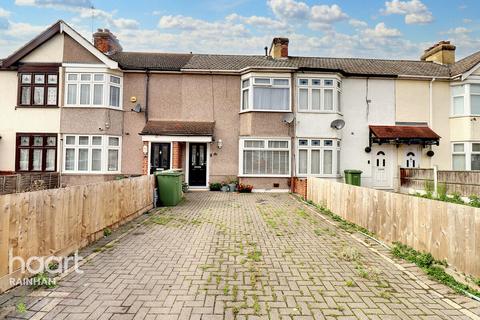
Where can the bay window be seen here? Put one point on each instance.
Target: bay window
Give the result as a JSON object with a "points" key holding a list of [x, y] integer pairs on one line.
{"points": [[318, 157], [265, 157], [466, 156], [466, 99], [91, 154], [319, 95], [265, 94], [93, 90], [36, 152]]}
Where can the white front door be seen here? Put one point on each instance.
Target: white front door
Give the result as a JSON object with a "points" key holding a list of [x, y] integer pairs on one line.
{"points": [[382, 168]]}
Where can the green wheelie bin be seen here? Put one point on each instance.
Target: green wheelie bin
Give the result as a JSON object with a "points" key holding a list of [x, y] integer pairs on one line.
{"points": [[169, 187], [353, 177]]}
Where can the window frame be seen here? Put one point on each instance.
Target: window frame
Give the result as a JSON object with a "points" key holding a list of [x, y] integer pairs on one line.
{"points": [[467, 152], [105, 147], [251, 86], [45, 71], [106, 83], [32, 147], [335, 147], [336, 87], [264, 148], [467, 99]]}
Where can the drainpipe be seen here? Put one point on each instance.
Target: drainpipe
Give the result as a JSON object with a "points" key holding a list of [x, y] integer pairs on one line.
{"points": [[430, 120], [293, 159], [147, 81]]}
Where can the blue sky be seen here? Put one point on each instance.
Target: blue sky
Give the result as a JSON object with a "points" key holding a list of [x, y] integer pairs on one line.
{"points": [[369, 28]]}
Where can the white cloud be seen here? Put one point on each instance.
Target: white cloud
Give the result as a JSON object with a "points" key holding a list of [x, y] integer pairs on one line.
{"points": [[4, 13], [466, 20], [457, 31], [257, 21], [327, 14], [289, 9], [381, 31], [55, 3], [202, 28], [357, 23], [415, 11]]}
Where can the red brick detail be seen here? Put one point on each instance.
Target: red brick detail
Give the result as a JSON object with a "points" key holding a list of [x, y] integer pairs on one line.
{"points": [[299, 186], [177, 155], [106, 41], [145, 160]]}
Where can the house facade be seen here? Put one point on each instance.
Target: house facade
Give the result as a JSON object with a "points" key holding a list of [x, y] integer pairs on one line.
{"points": [[92, 112]]}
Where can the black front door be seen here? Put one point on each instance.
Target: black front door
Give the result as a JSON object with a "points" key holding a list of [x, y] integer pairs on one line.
{"points": [[160, 157], [197, 175]]}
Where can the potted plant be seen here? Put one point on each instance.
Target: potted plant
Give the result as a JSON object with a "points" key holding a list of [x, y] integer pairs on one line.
{"points": [[215, 186], [225, 187], [232, 185], [245, 188]]}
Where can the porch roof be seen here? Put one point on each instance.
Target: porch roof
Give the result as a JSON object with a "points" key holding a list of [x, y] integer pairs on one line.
{"points": [[403, 135], [178, 128]]}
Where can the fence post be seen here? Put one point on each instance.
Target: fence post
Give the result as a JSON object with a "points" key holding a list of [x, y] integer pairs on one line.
{"points": [[435, 180]]}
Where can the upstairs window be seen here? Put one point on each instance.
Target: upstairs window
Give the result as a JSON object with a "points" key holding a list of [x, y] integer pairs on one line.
{"points": [[319, 95], [265, 94], [466, 99], [38, 88], [93, 90]]}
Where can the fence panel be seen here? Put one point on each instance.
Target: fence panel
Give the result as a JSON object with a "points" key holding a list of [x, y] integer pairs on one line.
{"points": [[446, 230], [60, 221]]}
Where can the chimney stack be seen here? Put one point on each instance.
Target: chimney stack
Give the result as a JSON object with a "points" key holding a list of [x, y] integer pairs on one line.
{"points": [[106, 42], [279, 48], [443, 53]]}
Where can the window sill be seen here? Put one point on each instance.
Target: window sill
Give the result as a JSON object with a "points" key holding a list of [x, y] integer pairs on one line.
{"points": [[263, 176], [99, 173], [92, 107], [37, 107], [269, 111], [320, 112], [465, 116]]}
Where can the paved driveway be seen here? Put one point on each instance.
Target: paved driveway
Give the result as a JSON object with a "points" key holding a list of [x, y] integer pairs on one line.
{"points": [[220, 255]]}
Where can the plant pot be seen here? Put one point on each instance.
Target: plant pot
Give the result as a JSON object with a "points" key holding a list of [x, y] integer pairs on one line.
{"points": [[232, 187], [224, 189]]}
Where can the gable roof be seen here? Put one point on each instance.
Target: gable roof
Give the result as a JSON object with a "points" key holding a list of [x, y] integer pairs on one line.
{"points": [[465, 64], [58, 27]]}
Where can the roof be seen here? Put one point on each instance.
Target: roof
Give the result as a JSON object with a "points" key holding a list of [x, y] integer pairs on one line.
{"points": [[151, 61], [237, 63], [403, 132], [465, 64], [178, 128]]}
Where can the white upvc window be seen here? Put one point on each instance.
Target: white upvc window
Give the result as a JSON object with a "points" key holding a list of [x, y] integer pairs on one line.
{"points": [[465, 99], [318, 157], [271, 94], [93, 90], [260, 157], [91, 154], [319, 94], [466, 156]]}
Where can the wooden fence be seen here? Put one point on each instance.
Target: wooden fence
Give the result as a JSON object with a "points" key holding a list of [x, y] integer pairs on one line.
{"points": [[465, 183], [59, 221], [14, 183], [446, 230]]}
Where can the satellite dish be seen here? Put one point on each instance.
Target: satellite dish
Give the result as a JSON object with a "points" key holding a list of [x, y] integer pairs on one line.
{"points": [[288, 118], [337, 124], [138, 108]]}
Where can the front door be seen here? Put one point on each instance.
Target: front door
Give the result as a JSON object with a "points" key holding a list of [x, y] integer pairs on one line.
{"points": [[381, 169], [197, 174], [159, 157]]}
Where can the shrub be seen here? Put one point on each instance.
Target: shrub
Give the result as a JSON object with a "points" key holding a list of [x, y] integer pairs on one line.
{"points": [[245, 188], [474, 201], [215, 186]]}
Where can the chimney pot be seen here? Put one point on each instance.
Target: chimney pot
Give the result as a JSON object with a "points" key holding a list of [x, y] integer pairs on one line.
{"points": [[106, 42], [443, 52], [279, 48]]}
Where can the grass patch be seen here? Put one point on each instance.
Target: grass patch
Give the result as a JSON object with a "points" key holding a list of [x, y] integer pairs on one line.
{"points": [[350, 283], [255, 255], [107, 232], [21, 307], [161, 220], [349, 254], [435, 269]]}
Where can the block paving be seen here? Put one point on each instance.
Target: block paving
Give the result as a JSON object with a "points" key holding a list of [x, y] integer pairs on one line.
{"points": [[245, 256]]}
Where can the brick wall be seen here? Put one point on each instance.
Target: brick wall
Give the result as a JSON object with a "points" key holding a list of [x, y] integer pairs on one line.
{"points": [[177, 155], [145, 160], [299, 186]]}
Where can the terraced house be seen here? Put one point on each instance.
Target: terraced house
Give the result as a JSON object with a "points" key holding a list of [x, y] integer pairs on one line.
{"points": [[93, 111]]}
